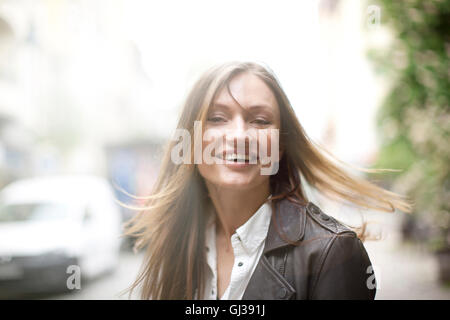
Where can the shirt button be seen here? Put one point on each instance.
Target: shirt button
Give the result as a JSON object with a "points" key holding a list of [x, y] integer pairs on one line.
{"points": [[240, 264]]}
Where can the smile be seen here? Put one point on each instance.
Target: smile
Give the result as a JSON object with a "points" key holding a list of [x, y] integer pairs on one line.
{"points": [[237, 158]]}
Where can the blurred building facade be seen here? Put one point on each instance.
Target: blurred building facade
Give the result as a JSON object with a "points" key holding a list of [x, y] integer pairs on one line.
{"points": [[71, 84]]}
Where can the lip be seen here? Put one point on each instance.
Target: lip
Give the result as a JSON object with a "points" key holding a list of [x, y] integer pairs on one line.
{"points": [[251, 156], [237, 165]]}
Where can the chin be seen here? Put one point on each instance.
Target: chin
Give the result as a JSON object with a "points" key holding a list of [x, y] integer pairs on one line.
{"points": [[237, 181], [225, 178], [235, 185]]}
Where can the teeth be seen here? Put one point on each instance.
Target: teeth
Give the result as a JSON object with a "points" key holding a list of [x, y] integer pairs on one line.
{"points": [[237, 157], [233, 157]]}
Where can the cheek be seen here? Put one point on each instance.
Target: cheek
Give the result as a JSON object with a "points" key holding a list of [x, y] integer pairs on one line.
{"points": [[269, 142], [212, 142], [207, 168], [269, 145]]}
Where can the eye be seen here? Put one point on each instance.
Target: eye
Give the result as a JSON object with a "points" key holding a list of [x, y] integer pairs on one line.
{"points": [[261, 121], [216, 119]]}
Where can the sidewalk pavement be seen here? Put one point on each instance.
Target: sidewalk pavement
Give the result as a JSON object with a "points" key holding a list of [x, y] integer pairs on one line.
{"points": [[403, 271]]}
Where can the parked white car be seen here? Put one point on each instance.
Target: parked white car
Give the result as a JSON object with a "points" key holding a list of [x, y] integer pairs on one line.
{"points": [[50, 223]]}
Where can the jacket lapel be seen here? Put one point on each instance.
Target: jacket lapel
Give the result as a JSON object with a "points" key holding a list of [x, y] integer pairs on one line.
{"points": [[266, 282], [290, 221]]}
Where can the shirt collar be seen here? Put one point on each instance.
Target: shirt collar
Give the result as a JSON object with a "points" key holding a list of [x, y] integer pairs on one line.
{"points": [[254, 231]]}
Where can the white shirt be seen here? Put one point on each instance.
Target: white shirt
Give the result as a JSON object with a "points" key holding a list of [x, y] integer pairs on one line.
{"points": [[248, 245]]}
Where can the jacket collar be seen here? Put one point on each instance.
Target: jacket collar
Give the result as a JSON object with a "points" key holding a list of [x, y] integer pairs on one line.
{"points": [[266, 282], [290, 219]]}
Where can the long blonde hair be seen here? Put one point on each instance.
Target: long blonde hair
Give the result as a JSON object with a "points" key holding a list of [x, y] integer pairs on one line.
{"points": [[171, 225]]}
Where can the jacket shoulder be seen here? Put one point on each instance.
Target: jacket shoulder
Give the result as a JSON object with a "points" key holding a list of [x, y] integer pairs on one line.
{"points": [[325, 221]]}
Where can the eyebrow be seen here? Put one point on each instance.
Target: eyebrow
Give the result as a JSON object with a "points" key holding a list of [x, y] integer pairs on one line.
{"points": [[254, 106]]}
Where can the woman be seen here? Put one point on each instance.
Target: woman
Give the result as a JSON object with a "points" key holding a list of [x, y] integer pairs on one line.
{"points": [[226, 229]]}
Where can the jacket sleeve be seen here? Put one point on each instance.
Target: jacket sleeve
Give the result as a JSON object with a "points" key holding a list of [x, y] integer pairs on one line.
{"points": [[345, 271]]}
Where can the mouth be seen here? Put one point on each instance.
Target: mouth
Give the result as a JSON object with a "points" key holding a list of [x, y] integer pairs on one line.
{"points": [[238, 158]]}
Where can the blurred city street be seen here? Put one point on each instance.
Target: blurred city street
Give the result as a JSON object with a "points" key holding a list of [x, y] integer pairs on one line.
{"points": [[108, 286], [90, 92], [403, 271]]}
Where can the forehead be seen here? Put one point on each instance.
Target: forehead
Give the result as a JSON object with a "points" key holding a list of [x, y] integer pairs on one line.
{"points": [[249, 90]]}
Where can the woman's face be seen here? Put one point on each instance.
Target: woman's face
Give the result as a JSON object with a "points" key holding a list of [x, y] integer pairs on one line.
{"points": [[238, 125]]}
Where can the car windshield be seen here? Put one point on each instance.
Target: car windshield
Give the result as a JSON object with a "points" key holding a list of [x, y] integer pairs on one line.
{"points": [[34, 212]]}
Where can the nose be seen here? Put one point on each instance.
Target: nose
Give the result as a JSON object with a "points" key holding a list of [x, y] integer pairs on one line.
{"points": [[237, 136]]}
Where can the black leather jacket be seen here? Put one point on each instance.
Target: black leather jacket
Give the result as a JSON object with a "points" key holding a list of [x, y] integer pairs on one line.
{"points": [[330, 262]]}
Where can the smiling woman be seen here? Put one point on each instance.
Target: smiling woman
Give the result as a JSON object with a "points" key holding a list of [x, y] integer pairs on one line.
{"points": [[251, 148], [227, 231]]}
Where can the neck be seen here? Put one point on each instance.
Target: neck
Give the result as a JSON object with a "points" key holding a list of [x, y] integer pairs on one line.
{"points": [[235, 207]]}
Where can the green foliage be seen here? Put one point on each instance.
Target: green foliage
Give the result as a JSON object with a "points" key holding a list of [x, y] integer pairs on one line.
{"points": [[414, 119]]}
